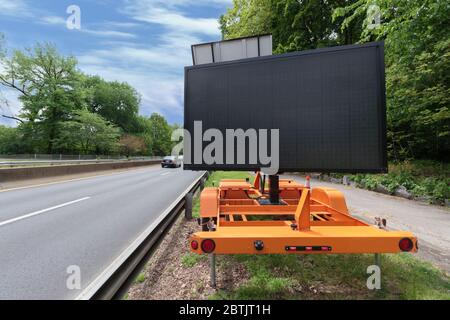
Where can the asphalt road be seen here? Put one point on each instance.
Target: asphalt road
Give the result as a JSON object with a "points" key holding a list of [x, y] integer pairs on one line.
{"points": [[87, 223]]}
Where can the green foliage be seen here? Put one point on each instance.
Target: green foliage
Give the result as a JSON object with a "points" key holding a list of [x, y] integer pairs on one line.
{"points": [[295, 25], [416, 36], [140, 278], [114, 101], [87, 133], [246, 18], [49, 87], [9, 140], [160, 133], [421, 178]]}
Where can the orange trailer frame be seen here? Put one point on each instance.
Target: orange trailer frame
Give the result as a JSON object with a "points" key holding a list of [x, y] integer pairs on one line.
{"points": [[237, 219]]}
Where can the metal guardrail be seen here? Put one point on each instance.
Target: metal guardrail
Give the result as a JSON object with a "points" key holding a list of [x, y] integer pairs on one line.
{"points": [[21, 163], [115, 280], [54, 157]]}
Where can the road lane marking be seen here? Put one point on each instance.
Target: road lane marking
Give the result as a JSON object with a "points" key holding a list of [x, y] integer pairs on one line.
{"points": [[165, 173], [41, 211]]}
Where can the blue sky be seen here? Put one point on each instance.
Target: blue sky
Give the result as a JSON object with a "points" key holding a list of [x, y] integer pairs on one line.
{"points": [[143, 42]]}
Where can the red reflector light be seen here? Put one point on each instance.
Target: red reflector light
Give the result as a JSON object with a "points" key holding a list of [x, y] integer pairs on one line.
{"points": [[208, 245], [194, 245], [405, 244]]}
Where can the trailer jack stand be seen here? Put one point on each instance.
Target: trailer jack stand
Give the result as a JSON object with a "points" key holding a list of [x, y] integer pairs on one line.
{"points": [[212, 272], [378, 260]]}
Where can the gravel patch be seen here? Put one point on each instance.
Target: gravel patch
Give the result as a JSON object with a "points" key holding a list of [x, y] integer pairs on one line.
{"points": [[169, 277]]}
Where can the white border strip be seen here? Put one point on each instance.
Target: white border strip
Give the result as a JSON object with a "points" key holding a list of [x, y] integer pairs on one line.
{"points": [[95, 285], [33, 214]]}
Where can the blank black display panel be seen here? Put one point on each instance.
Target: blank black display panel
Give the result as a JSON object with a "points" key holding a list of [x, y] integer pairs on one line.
{"points": [[328, 104]]}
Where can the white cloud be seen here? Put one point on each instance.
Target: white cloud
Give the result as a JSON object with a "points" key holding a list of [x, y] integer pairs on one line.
{"points": [[14, 8], [108, 33], [117, 24], [172, 54], [57, 20], [172, 15]]}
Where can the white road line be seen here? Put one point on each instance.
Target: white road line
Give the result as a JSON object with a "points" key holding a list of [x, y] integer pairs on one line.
{"points": [[165, 173], [42, 211]]}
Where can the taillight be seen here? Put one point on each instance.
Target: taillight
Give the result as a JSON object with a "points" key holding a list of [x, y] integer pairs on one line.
{"points": [[405, 244], [194, 245], [208, 245]]}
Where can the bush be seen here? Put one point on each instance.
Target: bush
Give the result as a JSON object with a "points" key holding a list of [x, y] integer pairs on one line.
{"points": [[422, 178]]}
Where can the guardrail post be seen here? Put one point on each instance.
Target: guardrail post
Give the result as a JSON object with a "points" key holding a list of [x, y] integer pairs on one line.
{"points": [[188, 205], [202, 183], [212, 274]]}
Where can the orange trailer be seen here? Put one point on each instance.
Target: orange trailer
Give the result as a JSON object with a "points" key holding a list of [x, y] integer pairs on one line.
{"points": [[238, 217]]}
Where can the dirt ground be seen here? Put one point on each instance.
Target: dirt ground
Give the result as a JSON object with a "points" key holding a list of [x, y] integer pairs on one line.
{"points": [[166, 277]]}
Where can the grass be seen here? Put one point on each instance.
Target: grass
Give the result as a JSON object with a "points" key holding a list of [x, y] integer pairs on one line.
{"points": [[330, 276], [213, 181], [140, 278], [403, 276], [216, 176], [190, 259]]}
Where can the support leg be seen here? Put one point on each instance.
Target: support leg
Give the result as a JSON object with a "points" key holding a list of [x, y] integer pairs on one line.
{"points": [[378, 263], [274, 189], [378, 259], [212, 262]]}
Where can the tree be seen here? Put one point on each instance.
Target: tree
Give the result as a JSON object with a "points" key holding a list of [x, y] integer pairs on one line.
{"points": [[160, 135], [9, 140], [295, 25], [246, 18], [416, 36], [116, 102], [87, 132], [48, 84], [132, 145]]}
